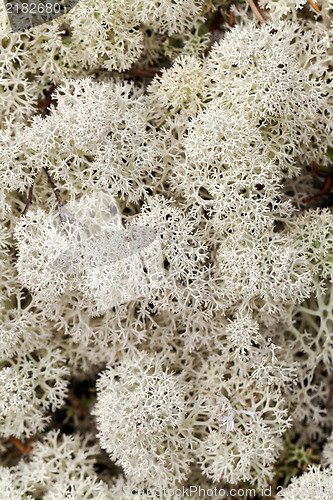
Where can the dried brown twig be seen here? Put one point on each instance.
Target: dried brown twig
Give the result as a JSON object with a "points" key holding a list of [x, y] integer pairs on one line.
{"points": [[314, 6], [54, 187], [29, 201], [22, 449], [256, 11]]}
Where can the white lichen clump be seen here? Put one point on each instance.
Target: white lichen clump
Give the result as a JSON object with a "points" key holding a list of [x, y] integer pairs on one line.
{"points": [[316, 484]]}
